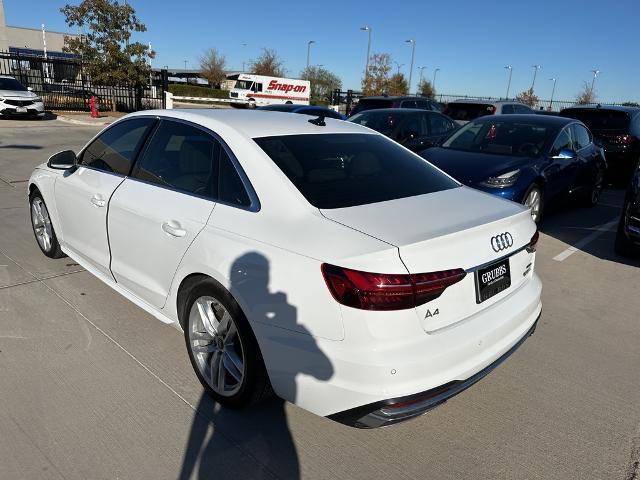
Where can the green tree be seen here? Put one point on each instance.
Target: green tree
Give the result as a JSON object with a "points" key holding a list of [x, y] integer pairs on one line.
{"points": [[323, 82], [528, 98], [268, 63], [212, 67], [109, 57], [376, 80], [397, 85], [586, 95], [425, 88]]}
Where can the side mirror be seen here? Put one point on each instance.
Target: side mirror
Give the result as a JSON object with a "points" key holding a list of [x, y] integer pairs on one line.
{"points": [[564, 154], [62, 160]]}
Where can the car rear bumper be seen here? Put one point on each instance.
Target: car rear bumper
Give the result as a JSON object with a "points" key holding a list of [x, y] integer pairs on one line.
{"points": [[395, 410]]}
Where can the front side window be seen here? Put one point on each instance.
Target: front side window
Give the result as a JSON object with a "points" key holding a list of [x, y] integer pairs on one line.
{"points": [[563, 142], [243, 84], [181, 157], [508, 109], [114, 150], [337, 170], [440, 124], [581, 137]]}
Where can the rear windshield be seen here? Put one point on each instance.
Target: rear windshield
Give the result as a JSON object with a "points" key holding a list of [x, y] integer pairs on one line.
{"points": [[338, 170], [600, 119], [370, 104], [468, 111], [381, 121], [11, 84], [502, 137]]}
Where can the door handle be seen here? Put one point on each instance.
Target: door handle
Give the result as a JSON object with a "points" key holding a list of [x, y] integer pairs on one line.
{"points": [[98, 201], [173, 228]]}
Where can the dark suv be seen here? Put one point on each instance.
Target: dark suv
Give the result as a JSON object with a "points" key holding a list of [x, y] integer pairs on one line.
{"points": [[628, 235], [371, 103], [618, 130]]}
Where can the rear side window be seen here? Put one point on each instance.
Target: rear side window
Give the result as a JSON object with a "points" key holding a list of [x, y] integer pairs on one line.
{"points": [[344, 170], [181, 157], [468, 111], [522, 109], [231, 190], [114, 150], [440, 124], [508, 109]]}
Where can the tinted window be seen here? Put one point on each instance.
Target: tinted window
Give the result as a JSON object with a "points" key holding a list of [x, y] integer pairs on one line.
{"points": [[522, 109], [501, 137], [563, 142], [370, 104], [581, 137], [115, 149], [599, 119], [409, 104], [412, 127], [423, 104], [508, 109], [344, 170], [11, 84], [468, 111], [440, 124], [182, 157], [383, 121], [230, 187]]}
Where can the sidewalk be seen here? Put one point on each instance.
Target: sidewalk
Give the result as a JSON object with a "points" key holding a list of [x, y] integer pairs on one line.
{"points": [[84, 118]]}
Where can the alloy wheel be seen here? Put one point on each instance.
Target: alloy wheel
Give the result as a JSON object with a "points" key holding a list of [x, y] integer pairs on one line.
{"points": [[41, 224], [216, 346]]}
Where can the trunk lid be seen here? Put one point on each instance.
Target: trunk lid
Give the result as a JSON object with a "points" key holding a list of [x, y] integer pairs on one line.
{"points": [[447, 230]]}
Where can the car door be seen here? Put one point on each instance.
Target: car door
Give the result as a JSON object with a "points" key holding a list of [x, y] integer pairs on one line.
{"points": [[160, 209], [560, 173], [83, 193], [587, 157]]}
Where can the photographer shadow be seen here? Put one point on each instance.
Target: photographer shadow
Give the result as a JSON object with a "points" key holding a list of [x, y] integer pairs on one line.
{"points": [[254, 442]]}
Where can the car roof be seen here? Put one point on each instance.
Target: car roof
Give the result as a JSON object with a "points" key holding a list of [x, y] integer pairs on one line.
{"points": [[253, 123], [620, 108], [393, 98], [7, 76], [550, 120], [490, 102], [390, 111]]}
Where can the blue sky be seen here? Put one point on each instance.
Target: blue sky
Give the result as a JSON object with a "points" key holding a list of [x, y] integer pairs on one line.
{"points": [[470, 41]]}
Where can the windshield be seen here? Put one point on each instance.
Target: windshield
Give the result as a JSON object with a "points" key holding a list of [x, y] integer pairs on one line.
{"points": [[11, 84], [379, 120], [337, 170], [600, 119], [243, 84], [468, 111], [506, 137]]}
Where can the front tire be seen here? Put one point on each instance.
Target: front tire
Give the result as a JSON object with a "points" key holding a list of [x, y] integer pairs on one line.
{"points": [[42, 227], [592, 195], [252, 104], [222, 347], [534, 199]]}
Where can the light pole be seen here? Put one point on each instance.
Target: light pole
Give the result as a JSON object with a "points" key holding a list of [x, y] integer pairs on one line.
{"points": [[366, 67], [552, 93], [399, 65], [595, 72], [510, 68], [243, 54], [185, 64], [535, 72], [433, 85], [413, 54], [309, 50], [420, 79]]}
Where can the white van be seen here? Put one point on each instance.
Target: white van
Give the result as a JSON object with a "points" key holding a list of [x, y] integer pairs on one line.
{"points": [[257, 90]]}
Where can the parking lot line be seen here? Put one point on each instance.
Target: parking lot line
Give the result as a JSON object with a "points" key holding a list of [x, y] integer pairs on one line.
{"points": [[605, 227]]}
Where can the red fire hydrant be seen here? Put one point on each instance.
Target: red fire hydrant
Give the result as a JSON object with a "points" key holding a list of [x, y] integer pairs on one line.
{"points": [[93, 104]]}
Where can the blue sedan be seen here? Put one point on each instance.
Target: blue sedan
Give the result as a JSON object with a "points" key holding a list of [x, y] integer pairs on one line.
{"points": [[531, 159]]}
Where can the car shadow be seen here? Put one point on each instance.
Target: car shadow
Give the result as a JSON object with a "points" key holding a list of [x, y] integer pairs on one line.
{"points": [[571, 224], [23, 147], [259, 435]]}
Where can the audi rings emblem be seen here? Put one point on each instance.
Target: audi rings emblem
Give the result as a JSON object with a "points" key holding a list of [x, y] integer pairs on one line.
{"points": [[501, 242]]}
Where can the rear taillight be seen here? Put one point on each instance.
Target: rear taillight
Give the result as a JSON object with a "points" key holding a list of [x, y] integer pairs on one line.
{"points": [[382, 291], [533, 243]]}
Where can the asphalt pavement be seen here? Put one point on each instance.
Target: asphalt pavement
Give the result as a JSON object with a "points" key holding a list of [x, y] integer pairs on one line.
{"points": [[92, 387]]}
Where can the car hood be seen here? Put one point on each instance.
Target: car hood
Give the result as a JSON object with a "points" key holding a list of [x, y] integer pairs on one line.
{"points": [[471, 168], [17, 94]]}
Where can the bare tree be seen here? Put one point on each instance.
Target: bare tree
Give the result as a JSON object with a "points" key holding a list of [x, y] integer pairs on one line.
{"points": [[586, 95], [376, 82], [425, 88], [528, 98], [398, 85], [268, 63], [323, 82], [213, 65]]}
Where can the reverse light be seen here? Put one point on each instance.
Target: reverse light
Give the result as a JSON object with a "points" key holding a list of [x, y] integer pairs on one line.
{"points": [[531, 247], [382, 291], [502, 181]]}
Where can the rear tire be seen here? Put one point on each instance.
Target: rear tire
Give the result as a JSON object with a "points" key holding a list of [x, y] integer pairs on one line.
{"points": [[623, 246], [221, 345], [42, 227], [534, 199]]}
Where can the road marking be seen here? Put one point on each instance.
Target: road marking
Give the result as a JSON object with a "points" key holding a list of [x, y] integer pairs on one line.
{"points": [[601, 230]]}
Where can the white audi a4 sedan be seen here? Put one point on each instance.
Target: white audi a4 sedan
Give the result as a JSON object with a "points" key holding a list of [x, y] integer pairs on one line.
{"points": [[312, 257]]}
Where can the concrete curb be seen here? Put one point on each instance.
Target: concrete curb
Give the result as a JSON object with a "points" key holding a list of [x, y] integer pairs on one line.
{"points": [[89, 123]]}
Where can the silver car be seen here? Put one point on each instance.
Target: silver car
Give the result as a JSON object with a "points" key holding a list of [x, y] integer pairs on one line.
{"points": [[18, 101]]}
